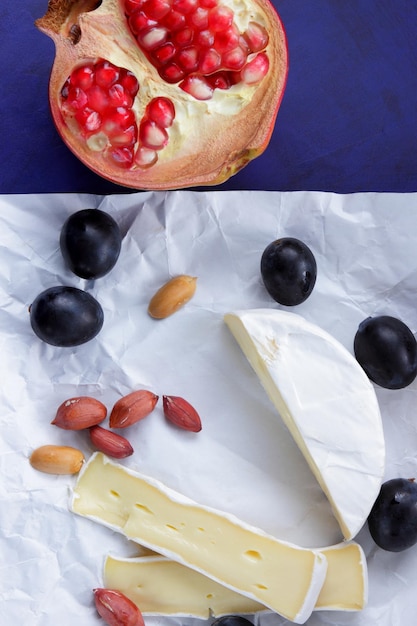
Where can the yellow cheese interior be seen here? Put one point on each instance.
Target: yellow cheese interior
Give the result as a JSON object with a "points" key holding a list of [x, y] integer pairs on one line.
{"points": [[285, 578], [346, 584]]}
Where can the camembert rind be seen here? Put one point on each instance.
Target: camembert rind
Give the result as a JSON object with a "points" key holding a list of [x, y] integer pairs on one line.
{"points": [[285, 578], [327, 402]]}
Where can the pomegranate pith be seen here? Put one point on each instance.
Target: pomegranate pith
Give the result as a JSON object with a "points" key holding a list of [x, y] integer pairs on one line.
{"points": [[165, 94]]}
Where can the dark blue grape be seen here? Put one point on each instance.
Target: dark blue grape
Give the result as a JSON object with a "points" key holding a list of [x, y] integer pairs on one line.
{"points": [[90, 243], [387, 350], [288, 270], [392, 521], [65, 316]]}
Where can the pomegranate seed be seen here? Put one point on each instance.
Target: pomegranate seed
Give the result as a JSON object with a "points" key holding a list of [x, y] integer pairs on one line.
{"points": [[152, 38], [199, 18], [157, 9], [256, 36], [227, 39], [139, 22], [75, 100], [184, 37], [119, 97], [205, 39], [164, 53], [210, 61], [89, 120], [220, 18], [255, 69], [220, 80], [171, 73], [162, 111], [197, 87], [83, 76], [152, 136], [174, 21], [129, 81], [234, 59], [185, 6], [118, 120], [187, 58], [98, 99], [209, 4], [122, 156], [106, 74], [127, 137], [132, 5], [145, 157]]}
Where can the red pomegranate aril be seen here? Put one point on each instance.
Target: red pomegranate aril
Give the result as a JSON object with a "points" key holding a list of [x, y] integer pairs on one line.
{"points": [[187, 58], [210, 61], [164, 53], [255, 69], [152, 136], [204, 39], [127, 137], [157, 9], [106, 74], [183, 37], [119, 97], [162, 111], [197, 87], [171, 73], [209, 4], [256, 37], [199, 18], [122, 156], [139, 22], [152, 37], [117, 120], [82, 77], [145, 157], [98, 99], [90, 121], [220, 18], [185, 6], [220, 80], [234, 59], [75, 99], [132, 5], [174, 21], [129, 82], [227, 39]]}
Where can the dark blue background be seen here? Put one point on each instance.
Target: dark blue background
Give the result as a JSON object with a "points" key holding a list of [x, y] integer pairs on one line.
{"points": [[348, 120]]}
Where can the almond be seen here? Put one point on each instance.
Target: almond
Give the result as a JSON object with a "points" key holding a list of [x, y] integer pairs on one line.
{"points": [[172, 296], [110, 443], [132, 408], [181, 413], [117, 609], [79, 412], [57, 459]]}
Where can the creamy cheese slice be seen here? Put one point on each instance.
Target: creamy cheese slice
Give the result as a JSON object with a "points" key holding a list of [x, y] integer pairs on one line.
{"points": [[285, 578], [161, 586], [327, 402]]}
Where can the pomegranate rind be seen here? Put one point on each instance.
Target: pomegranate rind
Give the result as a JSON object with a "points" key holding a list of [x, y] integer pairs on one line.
{"points": [[209, 141]]}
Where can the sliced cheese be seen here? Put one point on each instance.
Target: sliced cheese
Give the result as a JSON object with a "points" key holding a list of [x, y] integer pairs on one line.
{"points": [[327, 402], [161, 586], [285, 578]]}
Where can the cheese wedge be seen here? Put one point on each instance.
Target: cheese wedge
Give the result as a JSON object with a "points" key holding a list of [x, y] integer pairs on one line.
{"points": [[327, 402], [283, 577], [161, 586]]}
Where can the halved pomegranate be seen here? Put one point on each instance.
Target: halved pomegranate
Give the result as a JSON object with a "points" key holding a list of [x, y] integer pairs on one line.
{"points": [[166, 94]]}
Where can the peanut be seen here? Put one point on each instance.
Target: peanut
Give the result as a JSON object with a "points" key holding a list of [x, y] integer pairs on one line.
{"points": [[57, 459]]}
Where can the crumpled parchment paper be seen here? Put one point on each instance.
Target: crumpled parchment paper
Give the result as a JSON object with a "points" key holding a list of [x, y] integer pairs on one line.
{"points": [[243, 461]]}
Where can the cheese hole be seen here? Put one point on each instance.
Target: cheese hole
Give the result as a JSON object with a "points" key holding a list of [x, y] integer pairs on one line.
{"points": [[261, 586], [114, 494], [201, 529], [209, 596], [253, 555], [142, 507], [172, 527]]}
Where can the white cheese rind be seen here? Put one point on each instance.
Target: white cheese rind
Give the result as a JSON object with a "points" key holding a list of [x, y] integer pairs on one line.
{"points": [[161, 586], [285, 578], [327, 402]]}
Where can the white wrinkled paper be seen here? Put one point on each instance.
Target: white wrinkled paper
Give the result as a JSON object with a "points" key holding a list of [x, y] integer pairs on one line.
{"points": [[243, 461]]}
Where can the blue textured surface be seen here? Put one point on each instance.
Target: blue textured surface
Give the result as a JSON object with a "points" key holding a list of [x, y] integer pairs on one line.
{"points": [[348, 120]]}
